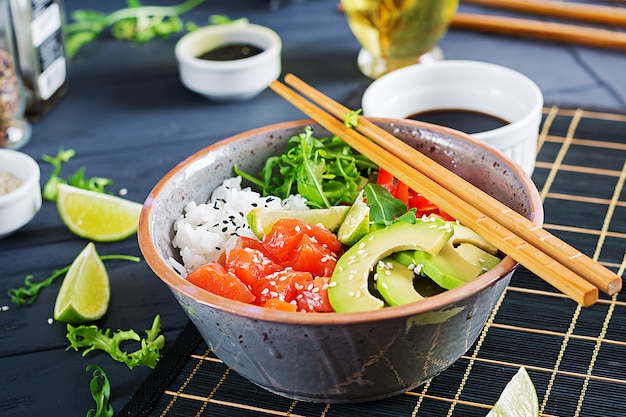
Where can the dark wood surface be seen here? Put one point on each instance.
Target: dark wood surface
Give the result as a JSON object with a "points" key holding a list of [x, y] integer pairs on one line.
{"points": [[130, 119]]}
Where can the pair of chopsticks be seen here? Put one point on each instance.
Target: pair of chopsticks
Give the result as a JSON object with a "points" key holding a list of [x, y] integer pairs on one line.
{"points": [[559, 264], [603, 38]]}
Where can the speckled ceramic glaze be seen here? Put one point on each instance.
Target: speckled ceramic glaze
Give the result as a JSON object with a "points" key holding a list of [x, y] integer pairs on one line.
{"points": [[348, 357]]}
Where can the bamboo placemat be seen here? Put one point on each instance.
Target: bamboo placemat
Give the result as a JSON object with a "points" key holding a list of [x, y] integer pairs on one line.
{"points": [[575, 356]]}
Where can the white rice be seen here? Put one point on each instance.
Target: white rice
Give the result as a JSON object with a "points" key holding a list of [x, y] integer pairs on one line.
{"points": [[205, 230]]}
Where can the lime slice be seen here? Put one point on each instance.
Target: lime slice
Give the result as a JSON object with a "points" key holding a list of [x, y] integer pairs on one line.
{"points": [[85, 292], [97, 216], [519, 398], [356, 224], [262, 219]]}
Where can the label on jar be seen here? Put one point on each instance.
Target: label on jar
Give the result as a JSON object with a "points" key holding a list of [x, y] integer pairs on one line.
{"points": [[48, 42]]}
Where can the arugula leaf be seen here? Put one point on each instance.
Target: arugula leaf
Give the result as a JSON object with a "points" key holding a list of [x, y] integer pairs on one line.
{"points": [[27, 294], [92, 338], [385, 209], [352, 118], [101, 393], [325, 171], [136, 23], [77, 179]]}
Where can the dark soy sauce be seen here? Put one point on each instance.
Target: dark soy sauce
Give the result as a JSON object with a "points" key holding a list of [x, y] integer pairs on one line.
{"points": [[468, 121], [231, 52]]}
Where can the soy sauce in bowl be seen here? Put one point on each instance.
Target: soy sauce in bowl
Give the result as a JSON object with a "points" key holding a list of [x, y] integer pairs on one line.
{"points": [[468, 121], [231, 52]]}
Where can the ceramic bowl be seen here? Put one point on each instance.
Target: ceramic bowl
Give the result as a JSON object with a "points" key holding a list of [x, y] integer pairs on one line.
{"points": [[466, 85], [20, 205], [232, 79], [334, 357]]}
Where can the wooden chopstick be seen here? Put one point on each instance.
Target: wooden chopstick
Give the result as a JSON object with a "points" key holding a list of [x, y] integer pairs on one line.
{"points": [[606, 15], [559, 276], [601, 38], [601, 277]]}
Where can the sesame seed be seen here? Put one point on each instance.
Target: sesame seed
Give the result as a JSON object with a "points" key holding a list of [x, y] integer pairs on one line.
{"points": [[351, 293], [385, 286], [332, 284], [5, 308], [50, 320]]}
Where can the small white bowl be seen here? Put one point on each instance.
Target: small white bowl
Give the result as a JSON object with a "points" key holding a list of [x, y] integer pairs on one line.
{"points": [[20, 205], [466, 85], [231, 80]]}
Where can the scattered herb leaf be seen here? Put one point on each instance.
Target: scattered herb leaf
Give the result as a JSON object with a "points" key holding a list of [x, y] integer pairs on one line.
{"points": [[136, 23], [101, 393], [352, 118], [27, 294], [325, 171], [92, 338], [77, 179]]}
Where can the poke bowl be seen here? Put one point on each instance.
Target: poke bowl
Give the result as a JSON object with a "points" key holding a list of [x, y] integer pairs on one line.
{"points": [[333, 357]]}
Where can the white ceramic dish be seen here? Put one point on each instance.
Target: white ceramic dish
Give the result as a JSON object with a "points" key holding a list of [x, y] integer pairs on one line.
{"points": [[238, 79], [20, 205], [467, 85]]}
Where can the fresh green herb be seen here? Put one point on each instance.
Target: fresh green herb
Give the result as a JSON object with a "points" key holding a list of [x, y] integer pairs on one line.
{"points": [[325, 171], [92, 338], [385, 209], [101, 393], [352, 118], [77, 179], [136, 23], [27, 294]]}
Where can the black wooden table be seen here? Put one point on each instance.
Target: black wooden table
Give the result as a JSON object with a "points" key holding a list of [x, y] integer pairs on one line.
{"points": [[128, 118]]}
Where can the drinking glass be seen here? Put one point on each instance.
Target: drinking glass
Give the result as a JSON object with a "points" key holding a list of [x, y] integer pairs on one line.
{"points": [[397, 33]]}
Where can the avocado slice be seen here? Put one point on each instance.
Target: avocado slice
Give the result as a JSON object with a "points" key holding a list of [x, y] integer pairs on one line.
{"points": [[477, 256], [463, 234], [395, 282], [447, 268], [464, 257], [348, 290]]}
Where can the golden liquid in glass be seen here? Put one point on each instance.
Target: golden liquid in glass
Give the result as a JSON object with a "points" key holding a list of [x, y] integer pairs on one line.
{"points": [[398, 32]]}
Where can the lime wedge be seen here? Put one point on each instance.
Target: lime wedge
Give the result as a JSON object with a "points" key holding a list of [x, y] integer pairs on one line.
{"points": [[262, 219], [85, 292], [356, 224], [519, 398], [97, 216]]}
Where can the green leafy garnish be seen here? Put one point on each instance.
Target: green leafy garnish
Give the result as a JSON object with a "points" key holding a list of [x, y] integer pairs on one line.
{"points": [[27, 294], [101, 393], [385, 209], [352, 118], [77, 179], [326, 171], [92, 338], [136, 23]]}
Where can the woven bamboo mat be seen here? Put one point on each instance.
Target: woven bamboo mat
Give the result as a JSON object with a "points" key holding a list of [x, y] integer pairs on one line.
{"points": [[575, 356]]}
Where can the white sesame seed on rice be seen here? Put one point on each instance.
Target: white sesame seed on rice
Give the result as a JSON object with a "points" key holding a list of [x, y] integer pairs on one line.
{"points": [[205, 230]]}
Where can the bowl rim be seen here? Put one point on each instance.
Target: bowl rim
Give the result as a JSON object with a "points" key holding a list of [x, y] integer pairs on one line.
{"points": [[275, 46], [383, 83], [431, 304], [27, 184]]}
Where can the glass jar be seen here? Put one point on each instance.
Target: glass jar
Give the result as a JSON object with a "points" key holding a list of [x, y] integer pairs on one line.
{"points": [[39, 39], [15, 131]]}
